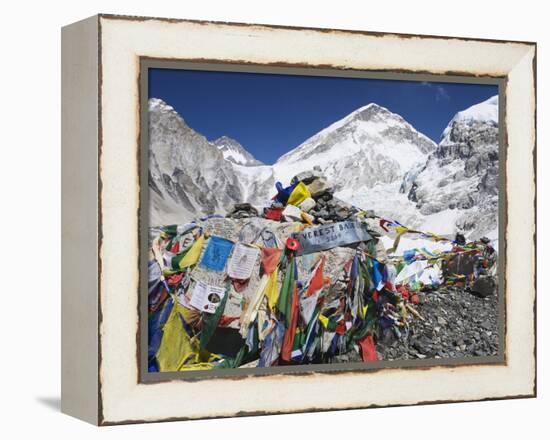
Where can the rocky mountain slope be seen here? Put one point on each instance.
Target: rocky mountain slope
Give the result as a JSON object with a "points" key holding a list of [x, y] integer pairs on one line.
{"points": [[188, 175], [373, 158], [461, 176]]}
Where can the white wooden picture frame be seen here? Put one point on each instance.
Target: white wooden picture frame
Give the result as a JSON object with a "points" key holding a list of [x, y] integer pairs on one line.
{"points": [[101, 67]]}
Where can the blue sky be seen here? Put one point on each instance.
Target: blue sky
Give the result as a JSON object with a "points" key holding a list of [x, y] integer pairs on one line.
{"points": [[271, 114]]}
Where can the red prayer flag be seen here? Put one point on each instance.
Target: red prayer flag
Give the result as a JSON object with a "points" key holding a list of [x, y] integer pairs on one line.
{"points": [[240, 285], [175, 248], [274, 214], [288, 342], [270, 259], [340, 327], [226, 320], [368, 349], [403, 291], [383, 223], [317, 280], [174, 279], [347, 266]]}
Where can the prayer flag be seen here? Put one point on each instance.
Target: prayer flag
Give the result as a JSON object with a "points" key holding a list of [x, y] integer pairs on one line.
{"points": [[288, 342], [368, 349], [317, 280], [192, 256], [270, 259], [216, 254]]}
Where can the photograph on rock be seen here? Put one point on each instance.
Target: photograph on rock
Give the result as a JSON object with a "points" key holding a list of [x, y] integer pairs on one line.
{"points": [[321, 221]]}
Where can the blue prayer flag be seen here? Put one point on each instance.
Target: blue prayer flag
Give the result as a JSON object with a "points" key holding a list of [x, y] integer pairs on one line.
{"points": [[216, 254]]}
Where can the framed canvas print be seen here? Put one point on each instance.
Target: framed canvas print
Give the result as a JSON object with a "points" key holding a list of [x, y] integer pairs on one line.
{"points": [[262, 220]]}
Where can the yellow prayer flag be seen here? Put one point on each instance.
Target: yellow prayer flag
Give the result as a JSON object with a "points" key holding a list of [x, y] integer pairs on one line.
{"points": [[178, 351], [299, 194], [176, 347], [401, 230], [199, 366], [272, 290], [192, 256]]}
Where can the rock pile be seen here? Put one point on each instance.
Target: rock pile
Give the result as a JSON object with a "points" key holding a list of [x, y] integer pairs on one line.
{"points": [[307, 280], [456, 324], [316, 203]]}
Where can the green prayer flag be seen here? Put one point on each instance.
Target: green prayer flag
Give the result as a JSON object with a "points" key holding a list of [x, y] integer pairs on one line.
{"points": [[210, 321], [177, 258], [285, 297]]}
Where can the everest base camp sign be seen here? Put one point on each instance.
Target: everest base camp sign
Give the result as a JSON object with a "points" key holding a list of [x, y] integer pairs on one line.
{"points": [[330, 236]]}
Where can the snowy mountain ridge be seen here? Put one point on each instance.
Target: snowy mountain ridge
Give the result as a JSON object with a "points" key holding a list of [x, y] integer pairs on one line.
{"points": [[369, 147], [188, 175], [373, 158]]}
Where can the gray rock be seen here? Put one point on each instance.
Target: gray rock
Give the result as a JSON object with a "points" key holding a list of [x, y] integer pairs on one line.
{"points": [[439, 341], [243, 210], [484, 286], [306, 177], [320, 187]]}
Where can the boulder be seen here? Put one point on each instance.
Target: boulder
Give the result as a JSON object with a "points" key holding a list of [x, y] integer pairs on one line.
{"points": [[318, 187], [484, 286], [307, 204], [305, 176], [243, 210], [292, 214]]}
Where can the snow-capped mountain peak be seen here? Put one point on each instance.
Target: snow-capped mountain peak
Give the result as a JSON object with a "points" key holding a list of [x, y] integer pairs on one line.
{"points": [[157, 105], [460, 179], [368, 147], [484, 112], [363, 129], [234, 152]]}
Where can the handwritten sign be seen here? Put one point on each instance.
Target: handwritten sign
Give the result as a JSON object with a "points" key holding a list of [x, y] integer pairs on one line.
{"points": [[242, 261], [330, 236]]}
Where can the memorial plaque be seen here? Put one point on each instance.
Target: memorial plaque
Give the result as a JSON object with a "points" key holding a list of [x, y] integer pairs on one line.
{"points": [[330, 236]]}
